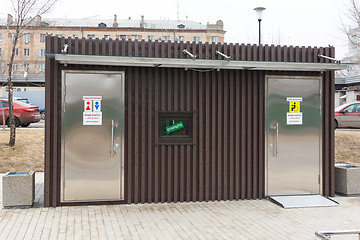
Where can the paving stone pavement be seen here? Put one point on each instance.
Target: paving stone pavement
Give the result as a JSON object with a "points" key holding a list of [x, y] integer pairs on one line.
{"points": [[247, 219]]}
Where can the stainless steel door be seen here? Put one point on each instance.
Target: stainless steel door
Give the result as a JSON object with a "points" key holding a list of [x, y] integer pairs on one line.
{"points": [[92, 136], [293, 135]]}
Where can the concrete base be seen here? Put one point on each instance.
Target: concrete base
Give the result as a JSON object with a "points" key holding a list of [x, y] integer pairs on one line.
{"points": [[347, 179], [19, 189]]}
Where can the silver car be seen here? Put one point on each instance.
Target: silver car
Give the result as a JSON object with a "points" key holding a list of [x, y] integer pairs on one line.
{"points": [[348, 115]]}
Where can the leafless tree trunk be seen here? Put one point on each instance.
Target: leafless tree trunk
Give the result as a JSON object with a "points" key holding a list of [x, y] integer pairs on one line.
{"points": [[23, 10], [3, 115]]}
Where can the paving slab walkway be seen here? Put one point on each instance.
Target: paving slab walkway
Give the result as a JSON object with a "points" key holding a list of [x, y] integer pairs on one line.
{"points": [[247, 219]]}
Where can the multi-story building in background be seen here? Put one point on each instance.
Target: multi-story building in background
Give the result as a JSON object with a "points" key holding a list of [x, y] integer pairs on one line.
{"points": [[29, 62]]}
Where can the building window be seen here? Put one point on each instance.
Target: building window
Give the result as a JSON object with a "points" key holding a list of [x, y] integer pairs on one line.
{"points": [[42, 52], [175, 127], [150, 38], [14, 67], [0, 51], [357, 96], [102, 25], [181, 38], [26, 52], [196, 39], [59, 35], [91, 35], [165, 38], [42, 67], [75, 36], [122, 36], [0, 37], [13, 37], [16, 52], [214, 39], [42, 37], [26, 38], [134, 37], [26, 67], [107, 37]]}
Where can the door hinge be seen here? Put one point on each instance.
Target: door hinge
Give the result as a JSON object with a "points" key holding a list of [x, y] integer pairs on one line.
{"points": [[319, 179]]}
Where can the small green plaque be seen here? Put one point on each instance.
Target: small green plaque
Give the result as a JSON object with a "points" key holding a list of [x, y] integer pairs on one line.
{"points": [[174, 127]]}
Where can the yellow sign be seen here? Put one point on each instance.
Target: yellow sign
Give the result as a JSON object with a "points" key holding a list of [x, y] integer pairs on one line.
{"points": [[294, 106]]}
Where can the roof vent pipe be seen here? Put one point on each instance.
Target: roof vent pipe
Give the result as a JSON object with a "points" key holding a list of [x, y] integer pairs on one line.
{"points": [[115, 24], [142, 24]]}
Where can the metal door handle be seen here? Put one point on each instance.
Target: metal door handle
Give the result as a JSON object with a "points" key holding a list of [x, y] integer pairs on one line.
{"points": [[112, 139], [277, 139]]}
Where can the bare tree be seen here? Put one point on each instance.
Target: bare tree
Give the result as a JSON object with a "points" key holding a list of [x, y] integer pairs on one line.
{"points": [[23, 10], [351, 27]]}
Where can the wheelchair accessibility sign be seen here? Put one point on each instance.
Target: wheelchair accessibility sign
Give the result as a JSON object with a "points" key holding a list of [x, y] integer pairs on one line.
{"points": [[294, 116]]}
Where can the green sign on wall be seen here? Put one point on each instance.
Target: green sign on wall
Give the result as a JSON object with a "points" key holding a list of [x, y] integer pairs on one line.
{"points": [[174, 127]]}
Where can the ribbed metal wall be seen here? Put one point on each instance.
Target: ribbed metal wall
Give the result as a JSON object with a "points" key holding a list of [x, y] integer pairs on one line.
{"points": [[227, 159]]}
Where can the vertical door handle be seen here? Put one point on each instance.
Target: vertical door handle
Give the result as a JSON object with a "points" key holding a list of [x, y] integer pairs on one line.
{"points": [[277, 140], [112, 139]]}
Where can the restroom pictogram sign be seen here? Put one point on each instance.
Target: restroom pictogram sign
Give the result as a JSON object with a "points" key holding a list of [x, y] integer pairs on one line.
{"points": [[88, 106], [294, 106], [92, 114], [294, 116]]}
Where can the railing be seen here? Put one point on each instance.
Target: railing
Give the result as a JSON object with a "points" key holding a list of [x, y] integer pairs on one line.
{"points": [[327, 234]]}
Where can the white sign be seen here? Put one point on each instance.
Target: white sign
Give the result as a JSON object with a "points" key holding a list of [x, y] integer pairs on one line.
{"points": [[294, 118], [92, 98], [290, 99], [92, 118], [92, 114]]}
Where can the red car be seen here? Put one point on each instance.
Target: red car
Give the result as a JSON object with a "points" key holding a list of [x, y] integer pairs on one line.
{"points": [[24, 113], [348, 115]]}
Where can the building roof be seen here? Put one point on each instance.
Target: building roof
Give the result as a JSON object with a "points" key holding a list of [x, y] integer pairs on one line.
{"points": [[129, 23], [124, 23]]}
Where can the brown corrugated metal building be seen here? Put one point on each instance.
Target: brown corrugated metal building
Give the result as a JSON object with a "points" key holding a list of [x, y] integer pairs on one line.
{"points": [[222, 103]]}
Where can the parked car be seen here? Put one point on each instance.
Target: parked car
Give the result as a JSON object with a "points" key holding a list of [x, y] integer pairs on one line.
{"points": [[24, 113], [42, 113], [348, 115], [22, 99]]}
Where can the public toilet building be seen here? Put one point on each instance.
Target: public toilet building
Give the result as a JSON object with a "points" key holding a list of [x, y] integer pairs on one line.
{"points": [[148, 122]]}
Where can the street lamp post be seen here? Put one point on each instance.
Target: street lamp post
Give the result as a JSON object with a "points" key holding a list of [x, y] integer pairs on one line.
{"points": [[259, 13]]}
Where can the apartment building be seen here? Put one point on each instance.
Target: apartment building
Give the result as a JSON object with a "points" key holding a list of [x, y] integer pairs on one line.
{"points": [[29, 62]]}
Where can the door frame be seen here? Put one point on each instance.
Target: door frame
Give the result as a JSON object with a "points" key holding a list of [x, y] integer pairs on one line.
{"points": [[62, 149], [267, 77]]}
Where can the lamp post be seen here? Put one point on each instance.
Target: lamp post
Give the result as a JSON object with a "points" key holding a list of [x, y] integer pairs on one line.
{"points": [[259, 13]]}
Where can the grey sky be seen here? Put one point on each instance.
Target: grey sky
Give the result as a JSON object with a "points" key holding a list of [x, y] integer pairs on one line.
{"points": [[285, 22]]}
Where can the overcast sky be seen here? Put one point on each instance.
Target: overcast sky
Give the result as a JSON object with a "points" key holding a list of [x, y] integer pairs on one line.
{"points": [[285, 22]]}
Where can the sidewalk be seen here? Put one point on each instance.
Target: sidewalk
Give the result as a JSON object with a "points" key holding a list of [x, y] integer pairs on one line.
{"points": [[248, 219]]}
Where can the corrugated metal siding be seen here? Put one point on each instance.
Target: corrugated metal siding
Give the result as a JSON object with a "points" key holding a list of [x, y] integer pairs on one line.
{"points": [[212, 169], [227, 161]]}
